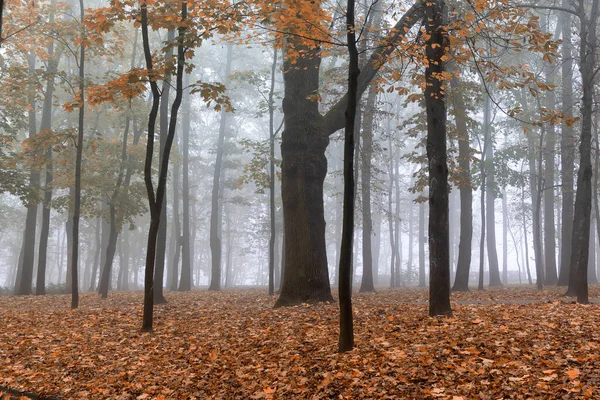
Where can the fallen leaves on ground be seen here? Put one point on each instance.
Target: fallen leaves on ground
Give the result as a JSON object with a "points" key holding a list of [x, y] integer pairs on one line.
{"points": [[235, 345]]}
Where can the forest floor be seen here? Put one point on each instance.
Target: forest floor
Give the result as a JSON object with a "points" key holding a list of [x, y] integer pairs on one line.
{"points": [[235, 345]]}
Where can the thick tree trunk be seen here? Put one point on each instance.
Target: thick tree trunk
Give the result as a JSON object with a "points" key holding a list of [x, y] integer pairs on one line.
{"points": [[435, 104], [303, 171], [304, 165], [216, 200], [578, 283]]}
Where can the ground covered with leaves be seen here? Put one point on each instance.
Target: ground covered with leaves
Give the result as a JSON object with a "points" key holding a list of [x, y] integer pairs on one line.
{"points": [[235, 345]]}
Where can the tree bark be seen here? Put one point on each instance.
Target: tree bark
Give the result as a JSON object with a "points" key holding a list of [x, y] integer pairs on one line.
{"points": [[346, 337], [578, 283], [155, 199], [435, 104], [304, 165]]}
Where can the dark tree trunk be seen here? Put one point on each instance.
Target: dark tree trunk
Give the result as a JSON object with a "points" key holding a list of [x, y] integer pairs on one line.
{"points": [[435, 103], [77, 188], [463, 267], [578, 283], [25, 272], [155, 199], [346, 338], [304, 165], [216, 219], [567, 150]]}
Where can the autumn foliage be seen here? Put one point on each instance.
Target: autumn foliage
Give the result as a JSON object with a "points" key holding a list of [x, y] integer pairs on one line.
{"points": [[235, 345]]}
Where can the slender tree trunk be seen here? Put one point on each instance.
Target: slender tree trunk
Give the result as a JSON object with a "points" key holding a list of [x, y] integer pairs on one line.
{"points": [[346, 338], [216, 201], [526, 251], [176, 231], [187, 264], [422, 239], [494, 269], [391, 215], [77, 188], [155, 199], [45, 127], [25, 272], [567, 149], [367, 284], [273, 230], [535, 183], [550, 275], [505, 238]]}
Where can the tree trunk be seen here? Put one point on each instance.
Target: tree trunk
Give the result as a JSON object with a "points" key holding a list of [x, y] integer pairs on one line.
{"points": [[273, 230], [77, 188], [187, 262], [578, 284], [422, 239], [463, 266], [505, 238], [155, 199], [346, 337], [367, 284], [25, 272], [550, 276], [45, 127], [435, 104], [216, 201], [567, 149], [176, 231], [161, 245], [304, 164], [494, 270]]}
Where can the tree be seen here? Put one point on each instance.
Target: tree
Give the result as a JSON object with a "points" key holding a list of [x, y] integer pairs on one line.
{"points": [[346, 339], [435, 104], [78, 158], [304, 166], [216, 201], [578, 284], [155, 199]]}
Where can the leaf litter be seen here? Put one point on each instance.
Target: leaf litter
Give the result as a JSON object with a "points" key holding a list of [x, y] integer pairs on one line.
{"points": [[235, 345]]}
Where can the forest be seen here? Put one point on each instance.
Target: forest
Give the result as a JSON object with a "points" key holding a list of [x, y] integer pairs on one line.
{"points": [[289, 199]]}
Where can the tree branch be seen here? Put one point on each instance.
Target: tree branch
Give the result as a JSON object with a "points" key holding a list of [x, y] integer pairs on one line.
{"points": [[334, 118]]}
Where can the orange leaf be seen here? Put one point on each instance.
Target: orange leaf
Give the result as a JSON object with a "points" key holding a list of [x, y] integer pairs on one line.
{"points": [[573, 373]]}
